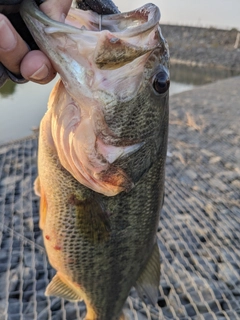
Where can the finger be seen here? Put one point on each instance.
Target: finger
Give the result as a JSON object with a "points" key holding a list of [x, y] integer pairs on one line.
{"points": [[56, 9], [37, 67], [12, 46]]}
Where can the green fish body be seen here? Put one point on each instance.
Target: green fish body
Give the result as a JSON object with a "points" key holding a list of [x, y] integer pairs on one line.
{"points": [[102, 150]]}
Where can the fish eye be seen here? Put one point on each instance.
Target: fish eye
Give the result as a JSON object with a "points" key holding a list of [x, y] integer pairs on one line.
{"points": [[161, 82]]}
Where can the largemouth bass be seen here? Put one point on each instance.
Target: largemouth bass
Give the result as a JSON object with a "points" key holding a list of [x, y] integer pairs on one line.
{"points": [[102, 150]]}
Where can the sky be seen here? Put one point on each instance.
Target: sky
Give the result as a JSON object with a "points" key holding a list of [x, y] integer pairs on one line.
{"points": [[207, 13]]}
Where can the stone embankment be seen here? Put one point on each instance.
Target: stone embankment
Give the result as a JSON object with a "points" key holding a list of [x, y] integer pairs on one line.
{"points": [[208, 47]]}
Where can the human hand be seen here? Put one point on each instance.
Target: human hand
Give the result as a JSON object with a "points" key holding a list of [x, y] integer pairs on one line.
{"points": [[15, 54]]}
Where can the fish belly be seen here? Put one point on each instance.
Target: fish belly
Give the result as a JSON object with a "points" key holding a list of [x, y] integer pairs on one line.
{"points": [[98, 245]]}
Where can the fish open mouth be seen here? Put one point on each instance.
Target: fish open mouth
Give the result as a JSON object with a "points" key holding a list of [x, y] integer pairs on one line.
{"points": [[109, 41], [127, 35], [128, 24], [131, 23]]}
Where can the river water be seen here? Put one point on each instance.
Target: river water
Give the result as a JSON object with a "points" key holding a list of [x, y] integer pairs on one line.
{"points": [[23, 106]]}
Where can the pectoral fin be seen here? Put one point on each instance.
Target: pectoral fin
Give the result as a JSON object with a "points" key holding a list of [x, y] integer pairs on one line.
{"points": [[36, 187], [60, 289], [115, 179], [43, 209], [43, 202], [148, 282]]}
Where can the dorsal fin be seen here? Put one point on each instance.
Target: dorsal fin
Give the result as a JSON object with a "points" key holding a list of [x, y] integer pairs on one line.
{"points": [[148, 282], [60, 289]]}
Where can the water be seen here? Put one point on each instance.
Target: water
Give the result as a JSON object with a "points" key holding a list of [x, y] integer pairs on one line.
{"points": [[21, 109], [23, 106], [205, 13]]}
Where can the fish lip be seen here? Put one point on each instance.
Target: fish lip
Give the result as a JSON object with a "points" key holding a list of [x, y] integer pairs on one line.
{"points": [[150, 11]]}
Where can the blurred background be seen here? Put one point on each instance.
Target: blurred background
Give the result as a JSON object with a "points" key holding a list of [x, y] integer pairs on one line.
{"points": [[207, 13], [19, 115]]}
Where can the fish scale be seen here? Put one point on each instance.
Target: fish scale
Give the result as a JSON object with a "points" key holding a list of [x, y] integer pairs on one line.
{"points": [[109, 262], [100, 218]]}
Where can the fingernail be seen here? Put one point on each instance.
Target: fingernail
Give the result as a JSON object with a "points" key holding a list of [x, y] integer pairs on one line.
{"points": [[40, 74], [8, 40]]}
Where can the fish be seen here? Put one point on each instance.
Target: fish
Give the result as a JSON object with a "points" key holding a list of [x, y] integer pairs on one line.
{"points": [[102, 153]]}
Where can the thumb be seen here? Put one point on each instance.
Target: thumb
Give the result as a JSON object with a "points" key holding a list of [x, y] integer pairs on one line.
{"points": [[56, 9]]}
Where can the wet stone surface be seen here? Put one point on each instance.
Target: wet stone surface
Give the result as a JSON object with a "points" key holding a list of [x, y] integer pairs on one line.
{"points": [[199, 230]]}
